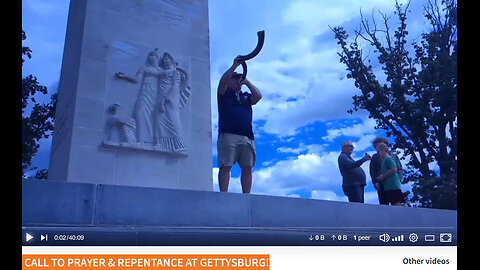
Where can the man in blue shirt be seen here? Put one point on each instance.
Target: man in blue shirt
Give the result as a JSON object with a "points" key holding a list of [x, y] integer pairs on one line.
{"points": [[354, 178], [235, 134]]}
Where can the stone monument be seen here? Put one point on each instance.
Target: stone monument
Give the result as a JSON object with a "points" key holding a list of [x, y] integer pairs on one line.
{"points": [[134, 96]]}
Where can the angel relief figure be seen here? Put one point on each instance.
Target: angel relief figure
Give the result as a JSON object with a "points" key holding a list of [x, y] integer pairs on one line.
{"points": [[164, 91], [172, 95]]}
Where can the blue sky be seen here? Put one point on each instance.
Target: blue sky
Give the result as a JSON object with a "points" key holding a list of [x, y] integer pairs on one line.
{"points": [[301, 120]]}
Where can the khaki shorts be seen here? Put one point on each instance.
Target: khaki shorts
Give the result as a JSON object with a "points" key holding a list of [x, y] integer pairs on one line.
{"points": [[233, 148]]}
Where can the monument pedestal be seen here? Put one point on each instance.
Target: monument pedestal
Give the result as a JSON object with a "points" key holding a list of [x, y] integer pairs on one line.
{"points": [[123, 215], [134, 95]]}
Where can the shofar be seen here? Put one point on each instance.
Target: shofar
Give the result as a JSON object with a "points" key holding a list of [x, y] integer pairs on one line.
{"points": [[261, 38]]}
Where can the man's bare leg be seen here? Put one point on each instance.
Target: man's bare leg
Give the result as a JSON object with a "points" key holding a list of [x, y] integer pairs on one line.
{"points": [[224, 178], [246, 179]]}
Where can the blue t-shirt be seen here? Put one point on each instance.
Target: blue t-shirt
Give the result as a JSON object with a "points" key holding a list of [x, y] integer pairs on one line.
{"points": [[235, 113]]}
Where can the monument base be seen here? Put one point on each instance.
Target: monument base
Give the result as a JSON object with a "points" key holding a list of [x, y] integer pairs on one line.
{"points": [[125, 215]]}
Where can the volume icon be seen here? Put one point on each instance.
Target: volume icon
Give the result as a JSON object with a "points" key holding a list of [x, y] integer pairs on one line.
{"points": [[384, 237], [398, 238]]}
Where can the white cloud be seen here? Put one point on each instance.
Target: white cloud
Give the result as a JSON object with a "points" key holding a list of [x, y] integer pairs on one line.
{"points": [[364, 142], [357, 130], [288, 106], [309, 171], [328, 195], [313, 148]]}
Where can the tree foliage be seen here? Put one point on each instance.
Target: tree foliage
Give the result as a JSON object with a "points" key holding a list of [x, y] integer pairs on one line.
{"points": [[37, 123], [417, 101]]}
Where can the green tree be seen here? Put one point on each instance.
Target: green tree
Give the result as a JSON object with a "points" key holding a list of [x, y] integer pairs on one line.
{"points": [[417, 103], [38, 123]]}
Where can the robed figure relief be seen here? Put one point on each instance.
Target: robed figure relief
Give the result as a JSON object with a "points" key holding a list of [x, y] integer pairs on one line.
{"points": [[163, 92]]}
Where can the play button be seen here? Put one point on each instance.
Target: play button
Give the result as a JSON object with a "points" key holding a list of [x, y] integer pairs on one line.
{"points": [[28, 237]]}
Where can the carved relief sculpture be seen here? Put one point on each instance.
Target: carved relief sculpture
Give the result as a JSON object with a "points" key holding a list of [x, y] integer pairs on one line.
{"points": [[172, 96], [124, 127], [164, 91]]}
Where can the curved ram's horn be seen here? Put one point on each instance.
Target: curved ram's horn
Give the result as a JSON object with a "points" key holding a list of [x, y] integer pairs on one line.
{"points": [[261, 38]]}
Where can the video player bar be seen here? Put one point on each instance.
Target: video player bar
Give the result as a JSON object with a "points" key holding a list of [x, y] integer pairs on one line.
{"points": [[224, 236]]}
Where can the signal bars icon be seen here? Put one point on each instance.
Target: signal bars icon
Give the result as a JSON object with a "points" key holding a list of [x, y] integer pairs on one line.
{"points": [[398, 238]]}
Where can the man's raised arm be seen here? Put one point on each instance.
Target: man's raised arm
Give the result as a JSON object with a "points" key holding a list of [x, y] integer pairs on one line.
{"points": [[222, 85]]}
